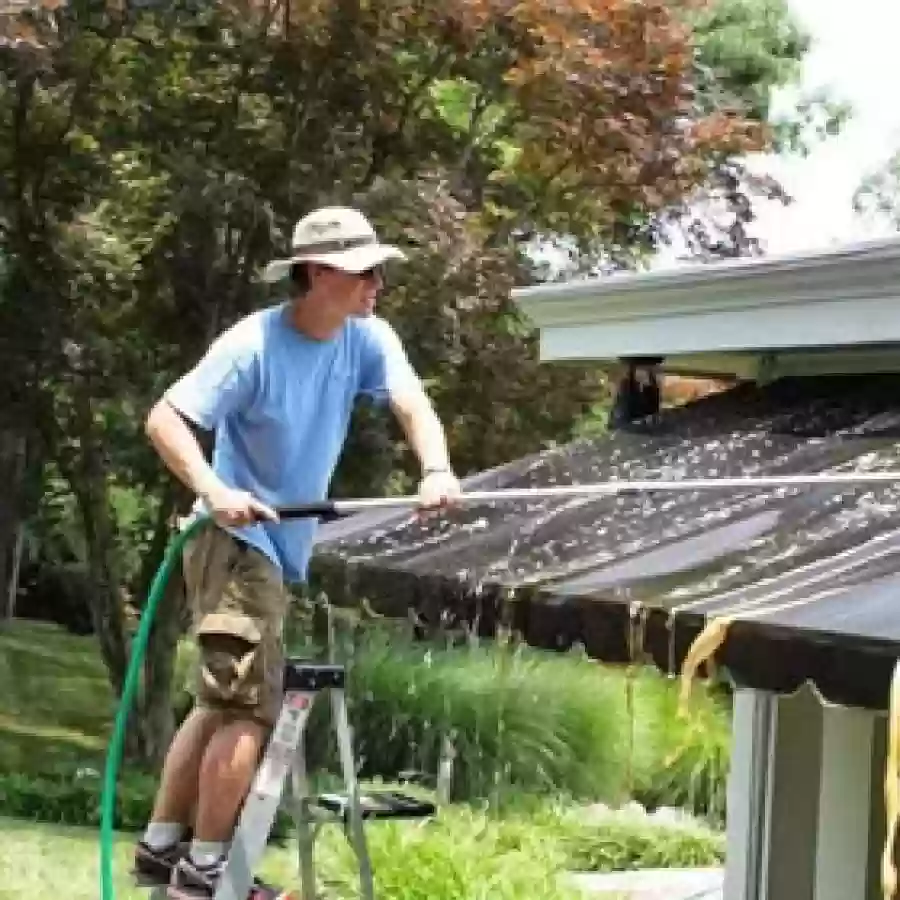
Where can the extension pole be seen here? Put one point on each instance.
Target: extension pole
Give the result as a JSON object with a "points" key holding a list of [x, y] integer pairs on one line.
{"points": [[338, 508]]}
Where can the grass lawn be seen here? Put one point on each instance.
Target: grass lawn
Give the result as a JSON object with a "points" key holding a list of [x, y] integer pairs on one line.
{"points": [[56, 706], [409, 864], [56, 711], [50, 861]]}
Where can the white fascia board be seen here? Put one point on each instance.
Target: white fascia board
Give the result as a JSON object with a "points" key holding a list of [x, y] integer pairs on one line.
{"points": [[842, 297]]}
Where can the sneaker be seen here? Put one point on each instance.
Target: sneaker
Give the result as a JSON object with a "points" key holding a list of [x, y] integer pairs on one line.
{"points": [[153, 868], [263, 891], [192, 882]]}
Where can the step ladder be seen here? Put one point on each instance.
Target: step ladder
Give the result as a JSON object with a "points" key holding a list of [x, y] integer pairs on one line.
{"points": [[285, 756]]}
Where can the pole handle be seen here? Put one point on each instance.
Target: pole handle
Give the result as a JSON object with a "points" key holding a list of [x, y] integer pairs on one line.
{"points": [[326, 510]]}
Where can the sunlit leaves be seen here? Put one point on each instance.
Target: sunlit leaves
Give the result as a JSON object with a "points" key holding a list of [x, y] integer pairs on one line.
{"points": [[877, 197]]}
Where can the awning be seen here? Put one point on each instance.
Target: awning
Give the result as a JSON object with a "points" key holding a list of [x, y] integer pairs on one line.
{"points": [[810, 576]]}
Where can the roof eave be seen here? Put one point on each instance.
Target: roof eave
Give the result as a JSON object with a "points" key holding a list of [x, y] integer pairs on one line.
{"points": [[840, 297]]}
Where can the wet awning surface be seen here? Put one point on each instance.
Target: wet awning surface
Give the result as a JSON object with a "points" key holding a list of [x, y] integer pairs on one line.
{"points": [[811, 576]]}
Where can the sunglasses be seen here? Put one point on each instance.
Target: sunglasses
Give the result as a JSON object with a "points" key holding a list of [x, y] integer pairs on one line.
{"points": [[366, 274]]}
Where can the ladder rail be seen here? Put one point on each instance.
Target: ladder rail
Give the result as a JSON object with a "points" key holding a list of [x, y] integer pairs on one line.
{"points": [[257, 818], [356, 834], [306, 828]]}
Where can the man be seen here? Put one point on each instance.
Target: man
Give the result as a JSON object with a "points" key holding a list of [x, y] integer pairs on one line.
{"points": [[277, 390]]}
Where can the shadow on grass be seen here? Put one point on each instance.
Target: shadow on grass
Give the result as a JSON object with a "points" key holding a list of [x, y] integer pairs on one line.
{"points": [[29, 748], [56, 705]]}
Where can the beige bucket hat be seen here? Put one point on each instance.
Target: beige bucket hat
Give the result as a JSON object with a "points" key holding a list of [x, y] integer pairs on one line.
{"points": [[334, 236]]}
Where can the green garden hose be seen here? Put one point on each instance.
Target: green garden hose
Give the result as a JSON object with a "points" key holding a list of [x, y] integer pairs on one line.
{"points": [[132, 677]]}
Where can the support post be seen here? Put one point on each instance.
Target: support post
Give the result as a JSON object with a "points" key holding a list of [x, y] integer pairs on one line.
{"points": [[773, 797], [845, 804], [754, 715]]}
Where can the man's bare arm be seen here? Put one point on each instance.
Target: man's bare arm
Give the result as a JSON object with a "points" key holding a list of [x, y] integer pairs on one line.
{"points": [[425, 434], [179, 449], [182, 454], [423, 429]]}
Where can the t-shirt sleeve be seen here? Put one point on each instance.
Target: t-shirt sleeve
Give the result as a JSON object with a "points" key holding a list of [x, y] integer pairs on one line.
{"points": [[222, 383], [385, 369]]}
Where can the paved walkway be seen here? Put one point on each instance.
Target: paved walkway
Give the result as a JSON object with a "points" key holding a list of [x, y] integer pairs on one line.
{"points": [[655, 884]]}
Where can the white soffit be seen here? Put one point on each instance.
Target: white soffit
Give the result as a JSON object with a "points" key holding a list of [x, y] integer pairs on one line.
{"points": [[842, 297]]}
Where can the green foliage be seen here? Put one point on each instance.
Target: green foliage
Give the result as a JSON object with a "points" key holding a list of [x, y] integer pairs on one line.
{"points": [[621, 844], [463, 853], [747, 50], [516, 721], [520, 721], [877, 197], [72, 796], [56, 535], [681, 760], [460, 848]]}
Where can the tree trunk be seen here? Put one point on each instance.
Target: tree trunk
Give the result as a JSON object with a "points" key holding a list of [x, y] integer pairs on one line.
{"points": [[13, 465], [12, 592], [156, 712], [107, 613], [151, 719]]}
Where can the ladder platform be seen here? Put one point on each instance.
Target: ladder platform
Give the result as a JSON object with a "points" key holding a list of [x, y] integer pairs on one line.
{"points": [[301, 675], [378, 805]]}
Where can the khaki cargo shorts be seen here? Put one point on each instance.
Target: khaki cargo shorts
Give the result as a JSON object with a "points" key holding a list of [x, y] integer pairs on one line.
{"points": [[238, 603]]}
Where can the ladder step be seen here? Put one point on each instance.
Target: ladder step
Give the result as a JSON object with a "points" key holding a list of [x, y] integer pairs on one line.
{"points": [[301, 675], [378, 805]]}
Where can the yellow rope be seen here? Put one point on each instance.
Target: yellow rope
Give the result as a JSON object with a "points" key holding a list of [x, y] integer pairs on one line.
{"points": [[892, 791], [705, 645], [710, 640]]}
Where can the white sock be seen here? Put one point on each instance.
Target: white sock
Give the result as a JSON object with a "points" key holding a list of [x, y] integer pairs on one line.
{"points": [[160, 835], [207, 853]]}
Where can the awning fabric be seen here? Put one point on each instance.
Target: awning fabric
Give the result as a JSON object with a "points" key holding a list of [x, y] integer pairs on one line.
{"points": [[810, 576]]}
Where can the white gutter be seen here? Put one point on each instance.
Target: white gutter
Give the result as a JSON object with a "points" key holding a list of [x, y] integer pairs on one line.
{"points": [[848, 296]]}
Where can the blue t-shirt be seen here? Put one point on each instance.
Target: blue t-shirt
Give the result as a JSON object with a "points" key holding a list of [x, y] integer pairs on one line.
{"points": [[279, 404]]}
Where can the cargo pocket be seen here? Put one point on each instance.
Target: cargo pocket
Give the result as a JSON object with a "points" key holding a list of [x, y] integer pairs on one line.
{"points": [[230, 646]]}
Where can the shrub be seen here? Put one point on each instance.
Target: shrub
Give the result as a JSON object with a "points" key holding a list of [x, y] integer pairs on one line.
{"points": [[680, 760], [74, 797], [623, 845], [467, 852], [454, 854], [463, 853], [516, 720]]}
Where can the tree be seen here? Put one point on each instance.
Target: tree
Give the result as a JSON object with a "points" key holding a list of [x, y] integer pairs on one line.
{"points": [[118, 259], [877, 197], [746, 50], [154, 156]]}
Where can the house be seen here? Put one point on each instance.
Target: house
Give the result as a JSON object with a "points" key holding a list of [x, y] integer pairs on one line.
{"points": [[806, 579]]}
